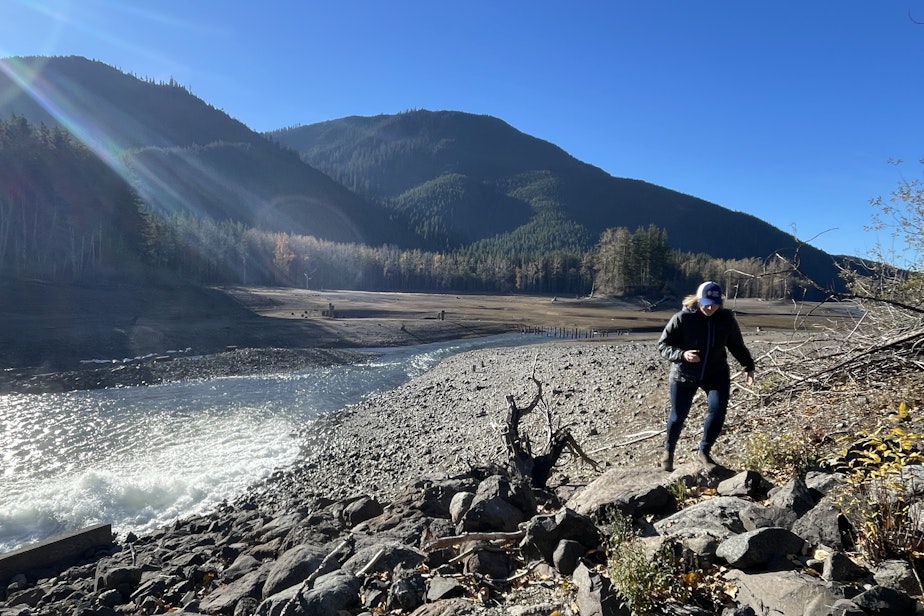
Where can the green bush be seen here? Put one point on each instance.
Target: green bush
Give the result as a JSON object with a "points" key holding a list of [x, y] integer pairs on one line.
{"points": [[642, 581], [875, 498]]}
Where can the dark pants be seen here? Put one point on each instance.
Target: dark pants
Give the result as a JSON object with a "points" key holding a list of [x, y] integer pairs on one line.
{"points": [[681, 401]]}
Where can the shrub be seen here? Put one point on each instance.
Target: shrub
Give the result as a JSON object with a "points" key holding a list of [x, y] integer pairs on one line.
{"points": [[788, 454], [876, 498], [643, 582]]}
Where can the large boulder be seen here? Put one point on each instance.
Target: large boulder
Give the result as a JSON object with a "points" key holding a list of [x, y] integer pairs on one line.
{"points": [[545, 532], [293, 567], [632, 491], [781, 592], [760, 548], [499, 504]]}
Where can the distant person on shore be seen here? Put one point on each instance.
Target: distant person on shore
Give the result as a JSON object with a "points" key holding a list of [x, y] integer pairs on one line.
{"points": [[694, 341]]}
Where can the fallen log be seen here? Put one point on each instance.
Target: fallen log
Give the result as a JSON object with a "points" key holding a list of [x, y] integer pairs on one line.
{"points": [[446, 542]]}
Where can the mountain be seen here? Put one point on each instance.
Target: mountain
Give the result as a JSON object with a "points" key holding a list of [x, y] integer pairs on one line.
{"points": [[183, 155], [432, 168], [421, 180]]}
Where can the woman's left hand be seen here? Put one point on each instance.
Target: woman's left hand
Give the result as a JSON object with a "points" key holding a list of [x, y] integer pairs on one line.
{"points": [[749, 379]]}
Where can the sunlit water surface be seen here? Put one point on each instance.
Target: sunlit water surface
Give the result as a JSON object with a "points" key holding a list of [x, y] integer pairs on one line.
{"points": [[140, 457]]}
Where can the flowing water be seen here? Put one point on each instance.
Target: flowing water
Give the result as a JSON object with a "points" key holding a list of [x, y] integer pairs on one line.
{"points": [[140, 457]]}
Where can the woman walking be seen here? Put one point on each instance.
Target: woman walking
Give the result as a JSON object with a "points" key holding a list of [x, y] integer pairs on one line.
{"points": [[695, 340]]}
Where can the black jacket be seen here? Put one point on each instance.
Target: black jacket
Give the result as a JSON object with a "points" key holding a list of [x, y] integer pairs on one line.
{"points": [[691, 329]]}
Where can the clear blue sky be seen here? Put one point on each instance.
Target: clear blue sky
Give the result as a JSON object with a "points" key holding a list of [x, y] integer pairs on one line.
{"points": [[787, 110]]}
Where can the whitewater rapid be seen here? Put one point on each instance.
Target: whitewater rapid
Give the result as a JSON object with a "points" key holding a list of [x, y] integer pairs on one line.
{"points": [[141, 457]]}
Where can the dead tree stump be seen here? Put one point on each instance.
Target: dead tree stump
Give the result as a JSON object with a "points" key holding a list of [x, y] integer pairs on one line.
{"points": [[521, 460]]}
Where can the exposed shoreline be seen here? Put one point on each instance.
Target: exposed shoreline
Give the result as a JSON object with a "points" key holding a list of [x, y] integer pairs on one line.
{"points": [[612, 394], [65, 337]]}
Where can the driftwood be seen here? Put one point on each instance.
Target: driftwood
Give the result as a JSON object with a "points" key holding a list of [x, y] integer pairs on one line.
{"points": [[632, 439], [877, 338], [521, 460], [446, 542], [322, 567]]}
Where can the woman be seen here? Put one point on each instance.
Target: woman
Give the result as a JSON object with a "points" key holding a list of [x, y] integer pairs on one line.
{"points": [[695, 340]]}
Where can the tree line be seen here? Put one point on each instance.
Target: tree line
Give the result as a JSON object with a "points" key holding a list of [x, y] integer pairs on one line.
{"points": [[623, 262]]}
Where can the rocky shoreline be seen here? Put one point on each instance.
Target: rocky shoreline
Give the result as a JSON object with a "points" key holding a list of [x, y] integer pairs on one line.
{"points": [[163, 368], [422, 462]]}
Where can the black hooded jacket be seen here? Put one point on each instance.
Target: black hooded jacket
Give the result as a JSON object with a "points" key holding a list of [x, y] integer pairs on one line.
{"points": [[691, 329]]}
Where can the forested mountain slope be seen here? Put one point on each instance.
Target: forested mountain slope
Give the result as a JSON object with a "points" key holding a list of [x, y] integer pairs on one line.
{"points": [[184, 156], [428, 166]]}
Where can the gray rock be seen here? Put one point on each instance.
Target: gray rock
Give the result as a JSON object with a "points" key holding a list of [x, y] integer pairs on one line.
{"points": [[838, 567], [701, 546], [759, 516], [720, 517], [30, 597], [243, 564], [114, 572], [746, 483], [499, 504], [539, 609], [460, 503], [544, 532], [441, 587], [432, 496], [821, 482], [595, 596], [912, 478], [745, 610], [245, 607], [517, 492], [759, 547], [916, 517], [633, 491], [395, 555], [845, 607], [567, 556], [495, 565], [361, 509], [794, 495], [330, 595], [277, 528], [292, 567], [448, 607], [823, 525], [781, 592], [407, 590], [223, 599], [316, 528], [399, 524], [881, 601], [274, 605], [110, 598], [896, 574]]}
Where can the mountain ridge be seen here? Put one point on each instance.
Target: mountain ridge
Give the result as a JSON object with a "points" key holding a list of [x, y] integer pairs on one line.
{"points": [[369, 156], [427, 180]]}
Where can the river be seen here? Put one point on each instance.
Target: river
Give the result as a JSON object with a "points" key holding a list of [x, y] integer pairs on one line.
{"points": [[141, 457]]}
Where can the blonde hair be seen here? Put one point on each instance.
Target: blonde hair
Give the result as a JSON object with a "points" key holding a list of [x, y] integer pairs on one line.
{"points": [[691, 301]]}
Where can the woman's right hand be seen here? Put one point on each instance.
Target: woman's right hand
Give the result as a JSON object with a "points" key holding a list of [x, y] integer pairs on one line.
{"points": [[691, 356]]}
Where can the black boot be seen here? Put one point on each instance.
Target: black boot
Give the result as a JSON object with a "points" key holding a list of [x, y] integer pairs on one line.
{"points": [[667, 461]]}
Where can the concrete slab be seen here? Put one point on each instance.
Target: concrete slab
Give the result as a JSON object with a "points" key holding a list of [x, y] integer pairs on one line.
{"points": [[65, 549]]}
